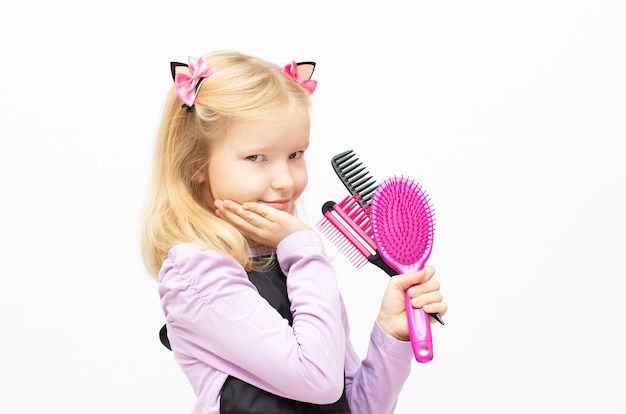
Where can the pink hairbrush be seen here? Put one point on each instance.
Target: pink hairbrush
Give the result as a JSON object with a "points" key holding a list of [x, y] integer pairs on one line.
{"points": [[403, 228], [348, 227]]}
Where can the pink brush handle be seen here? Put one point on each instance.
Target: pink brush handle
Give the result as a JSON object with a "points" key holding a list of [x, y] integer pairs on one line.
{"points": [[418, 320], [419, 331]]}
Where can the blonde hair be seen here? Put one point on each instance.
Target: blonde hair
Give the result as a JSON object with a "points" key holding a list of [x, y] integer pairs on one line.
{"points": [[177, 210]]}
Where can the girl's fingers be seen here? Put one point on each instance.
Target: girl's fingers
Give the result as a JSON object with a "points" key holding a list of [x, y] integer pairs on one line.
{"points": [[426, 298], [233, 213], [430, 285], [438, 307], [248, 212], [429, 271], [232, 209]]}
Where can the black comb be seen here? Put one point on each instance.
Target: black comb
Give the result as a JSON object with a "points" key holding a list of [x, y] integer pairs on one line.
{"points": [[354, 177]]}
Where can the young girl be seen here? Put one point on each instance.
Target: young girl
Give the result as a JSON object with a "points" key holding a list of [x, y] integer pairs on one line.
{"points": [[253, 312]]}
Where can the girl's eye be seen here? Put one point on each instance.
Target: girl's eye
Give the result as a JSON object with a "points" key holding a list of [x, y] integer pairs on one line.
{"points": [[297, 154], [255, 158]]}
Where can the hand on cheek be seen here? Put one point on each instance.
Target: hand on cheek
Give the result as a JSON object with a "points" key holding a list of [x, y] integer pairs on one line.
{"points": [[263, 224]]}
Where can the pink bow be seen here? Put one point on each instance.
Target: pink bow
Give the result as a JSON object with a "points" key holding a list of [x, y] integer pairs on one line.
{"points": [[292, 70], [186, 82]]}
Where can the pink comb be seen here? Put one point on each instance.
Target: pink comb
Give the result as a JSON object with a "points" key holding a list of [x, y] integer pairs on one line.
{"points": [[403, 228], [347, 225]]}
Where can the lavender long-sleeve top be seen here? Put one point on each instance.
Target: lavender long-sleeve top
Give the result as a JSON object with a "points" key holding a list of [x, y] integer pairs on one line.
{"points": [[218, 325]]}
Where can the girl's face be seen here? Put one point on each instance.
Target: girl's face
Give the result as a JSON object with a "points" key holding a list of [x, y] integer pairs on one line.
{"points": [[262, 161]]}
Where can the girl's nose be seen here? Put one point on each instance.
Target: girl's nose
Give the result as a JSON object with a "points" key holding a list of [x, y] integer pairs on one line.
{"points": [[282, 178]]}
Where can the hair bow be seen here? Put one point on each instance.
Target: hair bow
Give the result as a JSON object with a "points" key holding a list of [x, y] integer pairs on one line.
{"points": [[301, 72], [189, 77]]}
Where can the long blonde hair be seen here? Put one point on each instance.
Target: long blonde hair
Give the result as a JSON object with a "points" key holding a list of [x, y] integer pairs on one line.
{"points": [[177, 210]]}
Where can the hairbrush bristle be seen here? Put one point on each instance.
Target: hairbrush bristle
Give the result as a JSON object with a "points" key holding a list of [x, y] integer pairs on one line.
{"points": [[402, 223]]}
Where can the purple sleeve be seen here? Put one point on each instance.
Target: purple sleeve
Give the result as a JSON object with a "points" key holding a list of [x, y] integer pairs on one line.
{"points": [[219, 322], [374, 384]]}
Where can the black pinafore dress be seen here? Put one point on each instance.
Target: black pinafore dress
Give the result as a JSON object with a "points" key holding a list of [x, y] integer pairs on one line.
{"points": [[239, 397]]}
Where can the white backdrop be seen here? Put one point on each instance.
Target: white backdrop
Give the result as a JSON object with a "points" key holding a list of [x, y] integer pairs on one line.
{"points": [[510, 114]]}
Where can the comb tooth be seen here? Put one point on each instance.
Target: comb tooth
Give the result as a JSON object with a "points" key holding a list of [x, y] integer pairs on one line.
{"points": [[347, 249], [339, 158], [346, 240], [358, 228], [364, 186], [351, 170], [354, 176], [357, 174], [343, 161], [359, 214], [366, 190]]}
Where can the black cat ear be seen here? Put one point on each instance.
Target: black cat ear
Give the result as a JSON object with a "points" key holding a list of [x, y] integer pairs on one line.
{"points": [[177, 67], [188, 78], [305, 70]]}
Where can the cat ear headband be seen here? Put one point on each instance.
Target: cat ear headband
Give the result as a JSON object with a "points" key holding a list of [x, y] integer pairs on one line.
{"points": [[301, 73], [189, 77]]}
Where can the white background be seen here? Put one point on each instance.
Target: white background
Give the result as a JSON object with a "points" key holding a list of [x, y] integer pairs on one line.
{"points": [[510, 114]]}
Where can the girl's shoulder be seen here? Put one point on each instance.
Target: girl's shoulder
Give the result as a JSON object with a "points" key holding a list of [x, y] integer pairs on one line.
{"points": [[193, 262]]}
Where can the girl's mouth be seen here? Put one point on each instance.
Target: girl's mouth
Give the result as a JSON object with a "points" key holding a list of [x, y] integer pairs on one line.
{"points": [[279, 205]]}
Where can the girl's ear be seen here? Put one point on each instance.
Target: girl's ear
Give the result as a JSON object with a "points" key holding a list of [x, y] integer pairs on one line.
{"points": [[305, 70], [199, 177]]}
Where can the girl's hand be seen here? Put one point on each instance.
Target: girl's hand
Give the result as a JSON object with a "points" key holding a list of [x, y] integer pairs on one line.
{"points": [[258, 222], [424, 292]]}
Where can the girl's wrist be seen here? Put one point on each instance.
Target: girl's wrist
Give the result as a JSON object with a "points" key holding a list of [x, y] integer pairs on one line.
{"points": [[387, 328]]}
